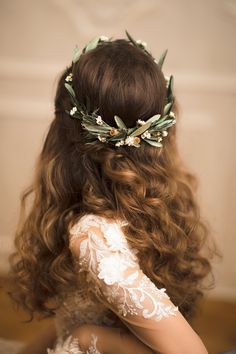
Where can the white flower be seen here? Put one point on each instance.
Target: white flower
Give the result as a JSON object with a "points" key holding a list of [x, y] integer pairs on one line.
{"points": [[155, 61], [111, 269], [69, 77], [141, 122], [146, 134], [129, 140], [119, 143], [101, 138], [99, 120], [171, 114], [164, 133], [73, 110], [103, 38], [159, 139], [144, 44]]}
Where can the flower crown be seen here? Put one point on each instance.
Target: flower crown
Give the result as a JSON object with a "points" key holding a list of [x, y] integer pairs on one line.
{"points": [[151, 131]]}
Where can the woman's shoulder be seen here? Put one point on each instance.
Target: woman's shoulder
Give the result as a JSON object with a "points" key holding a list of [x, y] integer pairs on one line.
{"points": [[85, 221], [97, 237]]}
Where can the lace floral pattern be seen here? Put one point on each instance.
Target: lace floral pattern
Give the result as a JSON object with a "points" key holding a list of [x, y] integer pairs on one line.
{"points": [[113, 268], [71, 346], [75, 311]]}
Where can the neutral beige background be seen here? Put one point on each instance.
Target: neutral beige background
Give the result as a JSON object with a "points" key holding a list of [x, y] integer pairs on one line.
{"points": [[37, 38]]}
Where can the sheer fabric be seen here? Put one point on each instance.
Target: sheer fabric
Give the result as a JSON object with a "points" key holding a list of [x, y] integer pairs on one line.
{"points": [[71, 345], [101, 251], [100, 248]]}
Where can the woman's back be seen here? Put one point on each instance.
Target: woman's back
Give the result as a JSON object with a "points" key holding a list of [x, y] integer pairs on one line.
{"points": [[139, 230]]}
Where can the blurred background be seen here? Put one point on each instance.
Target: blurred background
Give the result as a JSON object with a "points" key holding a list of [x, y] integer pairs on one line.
{"points": [[37, 38]]}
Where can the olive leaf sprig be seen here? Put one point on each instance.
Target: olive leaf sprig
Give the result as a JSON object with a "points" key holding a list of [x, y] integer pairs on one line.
{"points": [[151, 131]]}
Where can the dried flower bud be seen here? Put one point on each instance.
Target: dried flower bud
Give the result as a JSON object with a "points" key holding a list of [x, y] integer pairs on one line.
{"points": [[136, 140], [113, 132]]}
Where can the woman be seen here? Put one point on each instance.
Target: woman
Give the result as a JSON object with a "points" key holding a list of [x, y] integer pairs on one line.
{"points": [[114, 225]]}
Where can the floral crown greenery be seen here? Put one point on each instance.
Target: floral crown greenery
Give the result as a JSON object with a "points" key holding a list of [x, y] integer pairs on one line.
{"points": [[150, 131]]}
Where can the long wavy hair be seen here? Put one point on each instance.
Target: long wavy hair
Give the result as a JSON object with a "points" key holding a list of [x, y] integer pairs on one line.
{"points": [[149, 187]]}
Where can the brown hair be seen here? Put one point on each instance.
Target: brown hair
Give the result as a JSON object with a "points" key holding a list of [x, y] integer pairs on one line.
{"points": [[147, 186]]}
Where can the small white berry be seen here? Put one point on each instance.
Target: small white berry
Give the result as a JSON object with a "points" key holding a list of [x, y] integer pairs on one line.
{"points": [[69, 77], [141, 122], [103, 38], [99, 120], [119, 143], [139, 41], [164, 133], [146, 134], [73, 110], [129, 140], [102, 139]]}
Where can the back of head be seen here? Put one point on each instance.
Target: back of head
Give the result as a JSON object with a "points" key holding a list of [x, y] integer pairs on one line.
{"points": [[148, 186], [120, 79]]}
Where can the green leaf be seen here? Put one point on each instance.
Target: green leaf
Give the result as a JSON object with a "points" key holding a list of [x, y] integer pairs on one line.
{"points": [[167, 108], [162, 58], [70, 90], [170, 88], [98, 129], [76, 54], [141, 129], [153, 143], [154, 118], [154, 138], [131, 38], [119, 122], [167, 121], [92, 44], [145, 126], [164, 127], [160, 121]]}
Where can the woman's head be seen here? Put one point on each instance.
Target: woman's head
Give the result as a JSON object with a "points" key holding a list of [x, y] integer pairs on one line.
{"points": [[119, 79], [147, 186]]}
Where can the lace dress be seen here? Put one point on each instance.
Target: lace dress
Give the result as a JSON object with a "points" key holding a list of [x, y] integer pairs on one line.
{"points": [[111, 267]]}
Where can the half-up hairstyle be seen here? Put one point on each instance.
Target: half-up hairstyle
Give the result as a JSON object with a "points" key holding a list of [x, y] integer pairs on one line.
{"points": [[147, 186]]}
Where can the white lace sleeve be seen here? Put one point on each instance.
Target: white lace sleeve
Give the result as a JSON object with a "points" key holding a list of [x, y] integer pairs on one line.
{"points": [[102, 250]]}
